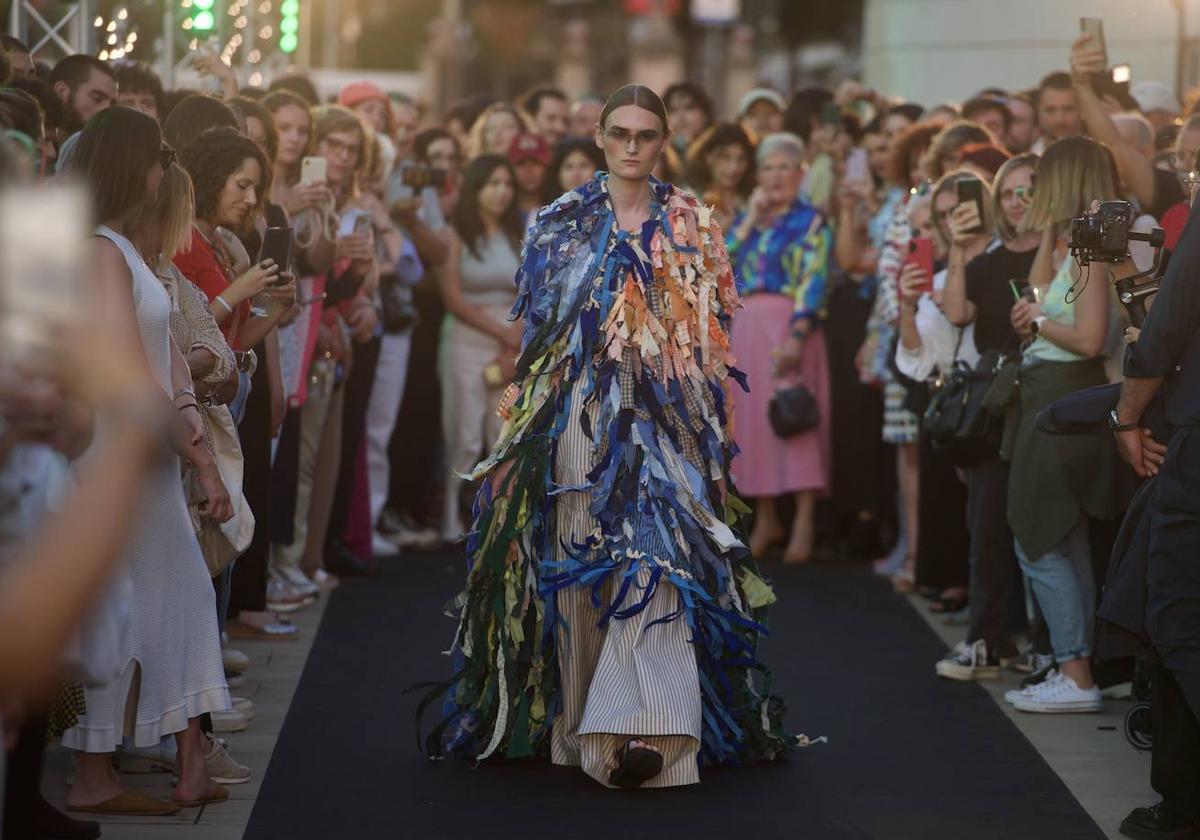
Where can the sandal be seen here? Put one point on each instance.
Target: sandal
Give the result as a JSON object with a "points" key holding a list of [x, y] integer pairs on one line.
{"points": [[635, 765], [219, 793]]}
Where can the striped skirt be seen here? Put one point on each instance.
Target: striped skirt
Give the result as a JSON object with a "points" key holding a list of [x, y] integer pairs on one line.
{"points": [[627, 678]]}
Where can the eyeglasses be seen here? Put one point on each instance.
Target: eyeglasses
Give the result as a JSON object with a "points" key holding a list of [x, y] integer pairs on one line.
{"points": [[166, 157], [645, 137], [337, 147]]}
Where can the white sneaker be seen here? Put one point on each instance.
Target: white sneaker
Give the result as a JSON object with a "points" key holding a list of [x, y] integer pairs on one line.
{"points": [[281, 598], [244, 705], [230, 720], [1060, 696], [297, 581], [222, 767], [381, 546], [234, 660], [1011, 695], [968, 663], [324, 580]]}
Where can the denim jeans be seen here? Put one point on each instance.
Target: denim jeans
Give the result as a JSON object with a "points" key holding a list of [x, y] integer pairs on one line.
{"points": [[1065, 589]]}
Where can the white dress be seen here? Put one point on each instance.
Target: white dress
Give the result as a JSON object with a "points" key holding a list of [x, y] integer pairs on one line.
{"points": [[173, 622]]}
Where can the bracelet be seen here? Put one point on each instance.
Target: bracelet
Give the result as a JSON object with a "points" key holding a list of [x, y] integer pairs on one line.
{"points": [[179, 392], [194, 405], [221, 300]]}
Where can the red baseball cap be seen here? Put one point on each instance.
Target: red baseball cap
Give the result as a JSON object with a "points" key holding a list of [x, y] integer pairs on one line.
{"points": [[529, 146], [353, 94]]}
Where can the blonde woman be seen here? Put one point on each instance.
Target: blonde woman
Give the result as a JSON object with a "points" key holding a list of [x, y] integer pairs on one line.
{"points": [[945, 152], [1057, 484], [494, 130]]}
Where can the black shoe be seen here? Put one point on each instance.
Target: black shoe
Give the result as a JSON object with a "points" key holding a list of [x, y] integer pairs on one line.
{"points": [[1157, 822], [1039, 675], [343, 562]]}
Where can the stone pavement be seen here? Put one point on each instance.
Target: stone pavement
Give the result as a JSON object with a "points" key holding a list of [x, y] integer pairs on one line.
{"points": [[1089, 752], [274, 673]]}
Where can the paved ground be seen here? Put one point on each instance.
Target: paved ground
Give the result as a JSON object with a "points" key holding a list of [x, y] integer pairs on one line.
{"points": [[275, 670], [1088, 752]]}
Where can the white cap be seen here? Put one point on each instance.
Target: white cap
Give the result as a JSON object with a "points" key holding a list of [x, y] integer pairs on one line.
{"points": [[759, 95], [1154, 96]]}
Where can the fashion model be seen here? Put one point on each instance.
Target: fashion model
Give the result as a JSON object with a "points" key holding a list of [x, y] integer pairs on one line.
{"points": [[612, 613]]}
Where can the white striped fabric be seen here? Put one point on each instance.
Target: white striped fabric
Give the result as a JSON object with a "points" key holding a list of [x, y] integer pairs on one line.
{"points": [[626, 679]]}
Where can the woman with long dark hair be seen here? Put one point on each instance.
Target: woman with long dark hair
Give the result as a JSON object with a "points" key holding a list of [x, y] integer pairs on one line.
{"points": [[173, 673], [599, 553], [573, 163], [720, 166], [479, 343]]}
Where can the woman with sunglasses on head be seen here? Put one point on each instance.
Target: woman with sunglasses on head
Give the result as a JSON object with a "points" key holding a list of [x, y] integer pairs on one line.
{"points": [[600, 552], [173, 673], [986, 273], [1057, 485]]}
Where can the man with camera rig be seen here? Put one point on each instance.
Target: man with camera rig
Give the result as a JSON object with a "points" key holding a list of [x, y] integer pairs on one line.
{"points": [[1167, 356]]}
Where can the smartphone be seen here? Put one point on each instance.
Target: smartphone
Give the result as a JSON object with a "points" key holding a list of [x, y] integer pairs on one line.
{"points": [[1121, 76], [920, 254], [277, 246], [971, 190], [44, 275], [831, 114], [857, 170], [1094, 26], [362, 225], [313, 170]]}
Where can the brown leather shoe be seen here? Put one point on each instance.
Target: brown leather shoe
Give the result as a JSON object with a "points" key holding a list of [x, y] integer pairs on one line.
{"points": [[131, 802]]}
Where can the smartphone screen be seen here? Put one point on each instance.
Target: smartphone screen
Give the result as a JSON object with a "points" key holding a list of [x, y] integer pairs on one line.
{"points": [[971, 190], [277, 246]]}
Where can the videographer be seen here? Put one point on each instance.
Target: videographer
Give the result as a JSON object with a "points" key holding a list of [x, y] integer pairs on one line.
{"points": [[1167, 355]]}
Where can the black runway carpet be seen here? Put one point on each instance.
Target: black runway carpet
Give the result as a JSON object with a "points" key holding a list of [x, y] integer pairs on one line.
{"points": [[908, 756]]}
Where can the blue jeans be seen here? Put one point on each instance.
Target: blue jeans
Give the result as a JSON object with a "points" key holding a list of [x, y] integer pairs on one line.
{"points": [[1065, 589]]}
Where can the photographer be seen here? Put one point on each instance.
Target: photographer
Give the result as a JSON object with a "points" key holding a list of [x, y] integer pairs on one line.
{"points": [[1166, 355]]}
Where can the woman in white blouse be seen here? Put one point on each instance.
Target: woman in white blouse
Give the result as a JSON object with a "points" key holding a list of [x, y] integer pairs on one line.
{"points": [[929, 345]]}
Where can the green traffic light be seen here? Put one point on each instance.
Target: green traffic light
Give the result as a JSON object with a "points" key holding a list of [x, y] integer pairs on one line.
{"points": [[203, 4], [204, 21], [290, 8], [289, 42]]}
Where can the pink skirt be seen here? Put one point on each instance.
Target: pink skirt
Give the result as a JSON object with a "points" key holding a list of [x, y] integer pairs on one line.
{"points": [[768, 465]]}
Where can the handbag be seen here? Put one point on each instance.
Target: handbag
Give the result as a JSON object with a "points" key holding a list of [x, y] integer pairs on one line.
{"points": [[793, 411], [222, 542], [957, 421]]}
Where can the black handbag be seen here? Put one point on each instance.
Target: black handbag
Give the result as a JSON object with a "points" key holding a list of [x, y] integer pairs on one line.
{"points": [[793, 411], [957, 421]]}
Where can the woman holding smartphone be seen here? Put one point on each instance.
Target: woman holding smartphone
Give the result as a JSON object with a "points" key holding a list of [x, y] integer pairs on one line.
{"points": [[479, 343], [930, 345], [983, 281], [1057, 484]]}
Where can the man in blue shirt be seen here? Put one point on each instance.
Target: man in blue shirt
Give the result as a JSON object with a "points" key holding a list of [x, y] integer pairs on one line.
{"points": [[1167, 356]]}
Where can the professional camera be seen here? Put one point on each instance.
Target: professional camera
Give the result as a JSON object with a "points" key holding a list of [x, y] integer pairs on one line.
{"points": [[1104, 236]]}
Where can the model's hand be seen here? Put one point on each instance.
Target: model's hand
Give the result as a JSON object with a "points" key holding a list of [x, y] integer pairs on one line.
{"points": [[1153, 453]]}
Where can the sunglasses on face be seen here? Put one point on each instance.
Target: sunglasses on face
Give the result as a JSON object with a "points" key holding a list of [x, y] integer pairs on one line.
{"points": [[645, 137], [337, 147]]}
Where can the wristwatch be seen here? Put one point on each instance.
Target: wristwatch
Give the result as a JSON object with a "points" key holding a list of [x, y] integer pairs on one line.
{"points": [[1115, 425], [1036, 326]]}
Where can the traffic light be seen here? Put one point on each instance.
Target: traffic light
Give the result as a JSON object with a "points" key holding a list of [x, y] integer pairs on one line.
{"points": [[289, 26], [199, 16]]}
